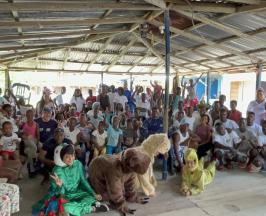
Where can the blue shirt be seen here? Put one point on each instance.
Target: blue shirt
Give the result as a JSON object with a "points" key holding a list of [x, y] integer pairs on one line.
{"points": [[152, 126], [46, 128], [127, 93], [113, 136]]}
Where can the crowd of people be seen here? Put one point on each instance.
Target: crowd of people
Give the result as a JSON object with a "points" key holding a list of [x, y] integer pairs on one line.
{"points": [[68, 142]]}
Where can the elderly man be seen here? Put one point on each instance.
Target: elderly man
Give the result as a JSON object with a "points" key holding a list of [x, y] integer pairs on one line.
{"points": [[258, 106]]}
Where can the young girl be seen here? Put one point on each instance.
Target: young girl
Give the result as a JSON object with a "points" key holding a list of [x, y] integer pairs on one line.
{"points": [[78, 100], [99, 139], [70, 192], [59, 117], [31, 136], [128, 135], [74, 134]]}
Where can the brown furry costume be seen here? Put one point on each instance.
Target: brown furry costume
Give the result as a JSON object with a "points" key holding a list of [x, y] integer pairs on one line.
{"points": [[114, 176]]}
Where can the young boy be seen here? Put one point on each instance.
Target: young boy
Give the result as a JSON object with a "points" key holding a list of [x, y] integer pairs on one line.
{"points": [[9, 142], [114, 134], [252, 126], [99, 139], [234, 114], [225, 143]]}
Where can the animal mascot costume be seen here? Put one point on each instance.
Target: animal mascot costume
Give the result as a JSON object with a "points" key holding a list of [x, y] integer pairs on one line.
{"points": [[114, 176], [152, 146], [194, 176]]}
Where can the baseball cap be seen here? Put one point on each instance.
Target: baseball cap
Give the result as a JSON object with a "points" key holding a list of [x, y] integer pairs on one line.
{"points": [[47, 109]]}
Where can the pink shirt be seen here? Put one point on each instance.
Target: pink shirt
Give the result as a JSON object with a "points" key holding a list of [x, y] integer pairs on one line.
{"points": [[30, 130]]}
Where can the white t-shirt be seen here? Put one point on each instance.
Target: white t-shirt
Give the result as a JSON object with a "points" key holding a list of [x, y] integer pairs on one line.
{"points": [[79, 101], [100, 138], [257, 108], [255, 129], [228, 124], [112, 96], [72, 135], [121, 99], [227, 139], [9, 143], [261, 139], [61, 99]]}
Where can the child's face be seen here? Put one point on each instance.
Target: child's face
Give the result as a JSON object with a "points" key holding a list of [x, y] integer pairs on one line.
{"points": [[82, 119], [223, 116], [180, 116], [204, 120], [29, 115], [233, 105], [68, 159], [116, 122], [221, 130], [101, 127], [8, 129], [250, 119], [96, 111], [191, 164], [129, 125], [72, 123], [60, 117], [9, 111], [46, 116]]}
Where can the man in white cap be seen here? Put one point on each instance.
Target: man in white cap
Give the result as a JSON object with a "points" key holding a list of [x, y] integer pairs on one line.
{"points": [[258, 106]]}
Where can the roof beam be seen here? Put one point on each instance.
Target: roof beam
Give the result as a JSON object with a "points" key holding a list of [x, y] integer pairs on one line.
{"points": [[139, 60], [251, 8], [67, 53], [105, 45], [23, 69], [221, 26], [60, 34], [205, 7], [256, 2], [203, 40], [43, 23], [159, 3], [74, 6], [35, 53], [124, 50]]}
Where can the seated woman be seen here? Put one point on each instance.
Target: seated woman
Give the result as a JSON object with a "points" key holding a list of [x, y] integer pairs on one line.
{"points": [[194, 176], [204, 132], [9, 199], [70, 192]]}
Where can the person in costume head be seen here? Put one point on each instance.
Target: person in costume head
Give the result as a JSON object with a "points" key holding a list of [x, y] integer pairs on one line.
{"points": [[70, 193], [152, 146], [114, 176], [194, 176]]}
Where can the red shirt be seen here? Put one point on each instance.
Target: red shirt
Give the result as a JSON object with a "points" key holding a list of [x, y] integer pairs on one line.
{"points": [[91, 100], [235, 115]]}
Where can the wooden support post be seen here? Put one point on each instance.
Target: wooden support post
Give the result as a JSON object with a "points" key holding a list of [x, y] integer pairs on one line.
{"points": [[7, 79], [208, 87]]}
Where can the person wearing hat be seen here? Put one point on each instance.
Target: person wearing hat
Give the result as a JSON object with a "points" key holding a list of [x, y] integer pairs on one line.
{"points": [[46, 155], [69, 188], [47, 125]]}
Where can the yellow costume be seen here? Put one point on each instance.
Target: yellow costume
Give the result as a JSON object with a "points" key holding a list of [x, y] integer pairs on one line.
{"points": [[153, 145], [195, 179]]}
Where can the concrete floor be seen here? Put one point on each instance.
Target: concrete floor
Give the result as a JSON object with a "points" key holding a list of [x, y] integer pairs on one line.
{"points": [[232, 193]]}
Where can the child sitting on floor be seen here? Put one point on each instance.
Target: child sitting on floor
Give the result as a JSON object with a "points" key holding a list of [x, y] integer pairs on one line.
{"points": [[194, 176], [9, 142], [128, 135], [99, 139]]}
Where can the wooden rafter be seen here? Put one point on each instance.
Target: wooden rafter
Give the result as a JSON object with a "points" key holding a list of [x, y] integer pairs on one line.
{"points": [[31, 54], [108, 41], [74, 6], [221, 26], [203, 40], [159, 3], [137, 62], [61, 34], [256, 2], [43, 23], [124, 50]]}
